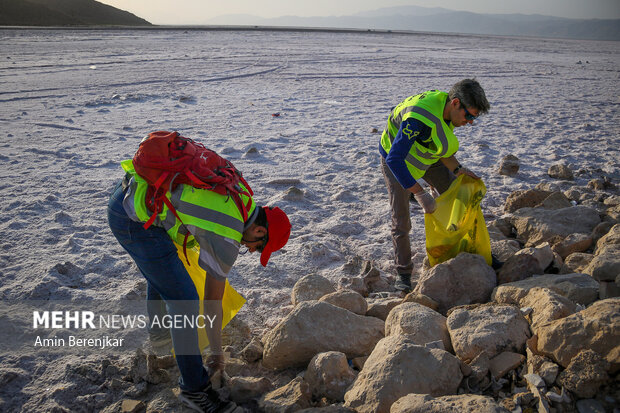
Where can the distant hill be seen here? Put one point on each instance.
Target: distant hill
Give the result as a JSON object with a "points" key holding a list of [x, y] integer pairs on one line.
{"points": [[64, 13], [414, 18]]}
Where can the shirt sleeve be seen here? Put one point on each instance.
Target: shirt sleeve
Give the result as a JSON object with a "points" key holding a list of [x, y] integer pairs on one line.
{"points": [[217, 254], [410, 130]]}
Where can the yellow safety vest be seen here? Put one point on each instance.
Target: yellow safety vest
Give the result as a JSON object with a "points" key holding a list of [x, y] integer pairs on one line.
{"points": [[428, 108], [199, 209]]}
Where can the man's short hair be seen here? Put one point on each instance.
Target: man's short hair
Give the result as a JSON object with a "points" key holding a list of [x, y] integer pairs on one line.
{"points": [[261, 218], [471, 94]]}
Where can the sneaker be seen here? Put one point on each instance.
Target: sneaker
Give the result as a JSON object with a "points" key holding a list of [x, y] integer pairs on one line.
{"points": [[206, 401], [403, 283]]}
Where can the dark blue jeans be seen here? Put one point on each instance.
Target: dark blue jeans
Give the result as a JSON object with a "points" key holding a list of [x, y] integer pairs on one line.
{"points": [[167, 282]]}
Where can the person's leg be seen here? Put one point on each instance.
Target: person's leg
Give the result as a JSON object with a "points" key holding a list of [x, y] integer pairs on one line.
{"points": [[156, 307], [156, 257], [401, 226]]}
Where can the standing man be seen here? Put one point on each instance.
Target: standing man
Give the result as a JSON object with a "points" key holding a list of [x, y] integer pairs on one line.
{"points": [[418, 142], [215, 222]]}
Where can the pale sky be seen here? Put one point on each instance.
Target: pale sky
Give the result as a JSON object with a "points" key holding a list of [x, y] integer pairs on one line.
{"points": [[198, 11]]}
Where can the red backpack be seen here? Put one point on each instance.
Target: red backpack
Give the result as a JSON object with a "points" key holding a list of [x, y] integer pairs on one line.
{"points": [[167, 159]]}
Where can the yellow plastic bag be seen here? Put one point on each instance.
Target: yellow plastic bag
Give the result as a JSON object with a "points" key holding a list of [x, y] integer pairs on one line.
{"points": [[458, 224], [232, 301]]}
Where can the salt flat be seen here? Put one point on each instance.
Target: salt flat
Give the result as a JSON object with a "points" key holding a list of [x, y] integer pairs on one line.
{"points": [[74, 103]]}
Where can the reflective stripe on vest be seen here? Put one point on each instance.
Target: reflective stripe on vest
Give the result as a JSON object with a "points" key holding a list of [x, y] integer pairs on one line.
{"points": [[197, 208], [428, 108]]}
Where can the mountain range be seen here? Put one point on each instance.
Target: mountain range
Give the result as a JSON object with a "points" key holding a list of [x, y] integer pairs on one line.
{"points": [[401, 18], [437, 19], [64, 13]]}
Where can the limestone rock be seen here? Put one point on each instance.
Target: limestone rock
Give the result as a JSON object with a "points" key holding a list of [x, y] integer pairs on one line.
{"points": [[464, 279], [334, 408], [560, 171], [145, 367], [358, 362], [601, 184], [132, 406], [163, 400], [236, 367], [601, 230], [609, 289], [577, 262], [502, 225], [236, 331], [605, 266], [525, 199], [596, 328], [504, 249], [495, 234], [518, 267], [584, 375], [294, 194], [612, 214], [356, 284], [509, 165], [287, 399], [579, 288], [424, 403], [347, 299], [397, 367], [329, 375], [534, 380], [505, 362], [244, 389], [315, 327], [573, 243], [542, 367], [311, 287], [373, 280], [611, 238], [479, 367], [543, 254], [574, 193], [547, 305], [253, 351], [381, 307], [421, 324], [547, 186], [537, 225], [489, 328], [557, 200], [426, 301]]}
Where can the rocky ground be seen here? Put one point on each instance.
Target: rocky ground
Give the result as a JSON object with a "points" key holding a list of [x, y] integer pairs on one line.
{"points": [[541, 334], [300, 114]]}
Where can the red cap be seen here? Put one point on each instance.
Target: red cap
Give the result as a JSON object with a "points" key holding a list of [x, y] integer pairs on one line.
{"points": [[278, 231]]}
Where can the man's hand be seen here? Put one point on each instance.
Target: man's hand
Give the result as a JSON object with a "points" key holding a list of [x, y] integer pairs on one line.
{"points": [[215, 362], [426, 201], [465, 171]]}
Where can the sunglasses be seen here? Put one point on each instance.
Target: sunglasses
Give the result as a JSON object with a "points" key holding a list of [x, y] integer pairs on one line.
{"points": [[468, 115], [264, 244]]}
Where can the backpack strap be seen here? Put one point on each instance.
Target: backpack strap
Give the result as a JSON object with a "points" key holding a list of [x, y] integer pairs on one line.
{"points": [[158, 184]]}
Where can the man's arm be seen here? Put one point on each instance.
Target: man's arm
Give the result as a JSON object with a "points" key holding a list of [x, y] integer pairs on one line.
{"points": [[410, 130], [214, 291]]}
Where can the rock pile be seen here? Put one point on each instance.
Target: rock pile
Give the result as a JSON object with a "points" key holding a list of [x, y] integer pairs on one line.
{"points": [[542, 333]]}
